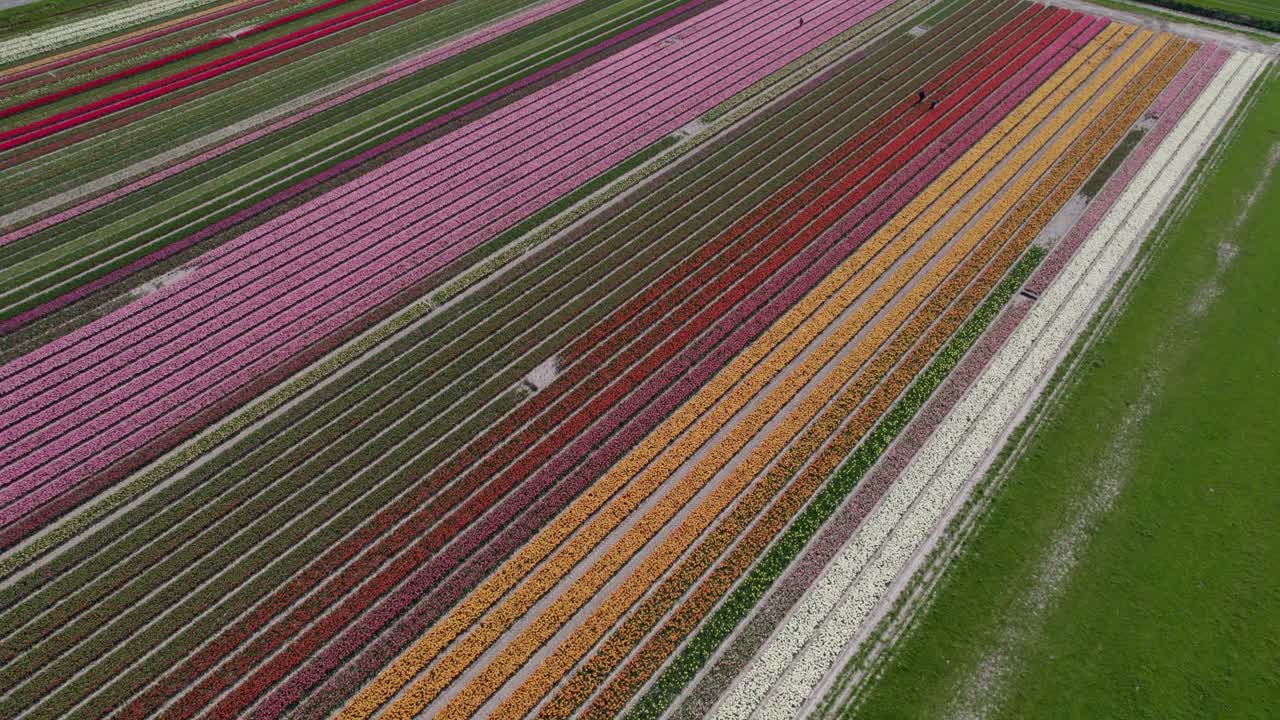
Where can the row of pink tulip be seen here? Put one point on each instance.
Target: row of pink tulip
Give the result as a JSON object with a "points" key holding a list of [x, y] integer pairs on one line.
{"points": [[650, 119]]}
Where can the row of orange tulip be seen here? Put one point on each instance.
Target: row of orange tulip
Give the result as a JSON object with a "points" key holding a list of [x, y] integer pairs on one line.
{"points": [[556, 665]]}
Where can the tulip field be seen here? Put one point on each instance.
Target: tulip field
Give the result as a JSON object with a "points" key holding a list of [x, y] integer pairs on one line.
{"points": [[535, 358]]}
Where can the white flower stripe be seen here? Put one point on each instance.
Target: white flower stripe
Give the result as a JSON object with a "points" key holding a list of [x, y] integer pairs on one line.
{"points": [[91, 27]]}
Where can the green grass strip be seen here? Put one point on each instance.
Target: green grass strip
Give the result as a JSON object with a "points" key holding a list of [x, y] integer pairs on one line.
{"points": [[1094, 184]]}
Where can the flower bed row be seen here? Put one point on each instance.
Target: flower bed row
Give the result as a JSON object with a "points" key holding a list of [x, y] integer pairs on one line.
{"points": [[1022, 359], [1030, 214], [968, 172], [481, 501], [190, 388], [169, 59], [686, 618], [161, 30], [742, 394], [131, 97]]}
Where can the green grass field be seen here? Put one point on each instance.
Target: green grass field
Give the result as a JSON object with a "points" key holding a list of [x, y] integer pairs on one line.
{"points": [[1157, 471], [1264, 9], [1262, 14]]}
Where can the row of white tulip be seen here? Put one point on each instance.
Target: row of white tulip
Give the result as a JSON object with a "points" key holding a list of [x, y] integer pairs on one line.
{"points": [[788, 668], [91, 27]]}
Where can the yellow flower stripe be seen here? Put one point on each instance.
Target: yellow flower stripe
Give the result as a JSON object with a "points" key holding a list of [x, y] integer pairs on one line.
{"points": [[425, 649], [584, 638]]}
